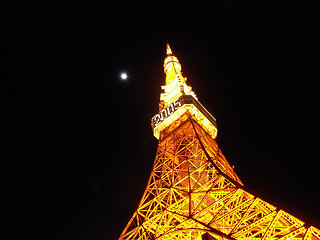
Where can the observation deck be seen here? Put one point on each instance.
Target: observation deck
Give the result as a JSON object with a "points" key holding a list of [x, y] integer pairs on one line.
{"points": [[180, 106]]}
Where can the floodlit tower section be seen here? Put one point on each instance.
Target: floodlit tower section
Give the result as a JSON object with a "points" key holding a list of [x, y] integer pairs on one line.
{"points": [[175, 82], [193, 193], [177, 99]]}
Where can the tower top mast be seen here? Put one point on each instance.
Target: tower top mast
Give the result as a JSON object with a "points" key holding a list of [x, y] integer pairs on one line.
{"points": [[169, 52], [175, 84], [178, 99]]}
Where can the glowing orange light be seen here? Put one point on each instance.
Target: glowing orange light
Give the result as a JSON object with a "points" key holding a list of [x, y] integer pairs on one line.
{"points": [[192, 190]]}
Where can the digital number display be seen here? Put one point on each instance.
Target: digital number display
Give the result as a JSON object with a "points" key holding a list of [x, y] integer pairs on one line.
{"points": [[175, 105], [161, 116]]}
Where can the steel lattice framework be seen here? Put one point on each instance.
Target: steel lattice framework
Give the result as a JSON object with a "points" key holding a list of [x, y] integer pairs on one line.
{"points": [[193, 191]]}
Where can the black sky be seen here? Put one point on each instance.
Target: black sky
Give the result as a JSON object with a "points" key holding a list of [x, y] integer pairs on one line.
{"points": [[77, 143]]}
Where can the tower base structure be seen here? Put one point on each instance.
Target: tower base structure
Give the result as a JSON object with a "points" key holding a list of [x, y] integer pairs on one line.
{"points": [[194, 191]]}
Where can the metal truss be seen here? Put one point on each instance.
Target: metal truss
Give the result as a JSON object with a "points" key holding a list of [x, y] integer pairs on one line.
{"points": [[193, 191]]}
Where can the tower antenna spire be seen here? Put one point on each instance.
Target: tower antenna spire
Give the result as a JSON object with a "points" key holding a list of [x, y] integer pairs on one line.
{"points": [[169, 52], [175, 84]]}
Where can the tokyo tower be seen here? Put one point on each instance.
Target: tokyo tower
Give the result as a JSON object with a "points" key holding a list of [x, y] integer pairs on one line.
{"points": [[193, 193]]}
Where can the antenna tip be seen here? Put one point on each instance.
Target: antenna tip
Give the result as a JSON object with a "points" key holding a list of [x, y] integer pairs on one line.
{"points": [[169, 52]]}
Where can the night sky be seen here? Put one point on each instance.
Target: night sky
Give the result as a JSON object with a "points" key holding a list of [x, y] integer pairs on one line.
{"points": [[77, 146]]}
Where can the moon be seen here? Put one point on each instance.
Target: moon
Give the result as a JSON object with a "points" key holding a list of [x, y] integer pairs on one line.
{"points": [[124, 76]]}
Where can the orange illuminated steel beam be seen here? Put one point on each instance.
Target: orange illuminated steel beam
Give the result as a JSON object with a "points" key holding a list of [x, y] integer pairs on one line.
{"points": [[193, 193]]}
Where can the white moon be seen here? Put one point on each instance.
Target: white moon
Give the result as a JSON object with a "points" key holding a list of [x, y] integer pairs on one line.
{"points": [[123, 76]]}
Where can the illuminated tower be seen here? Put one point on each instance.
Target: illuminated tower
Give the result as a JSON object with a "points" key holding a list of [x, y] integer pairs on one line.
{"points": [[193, 193]]}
